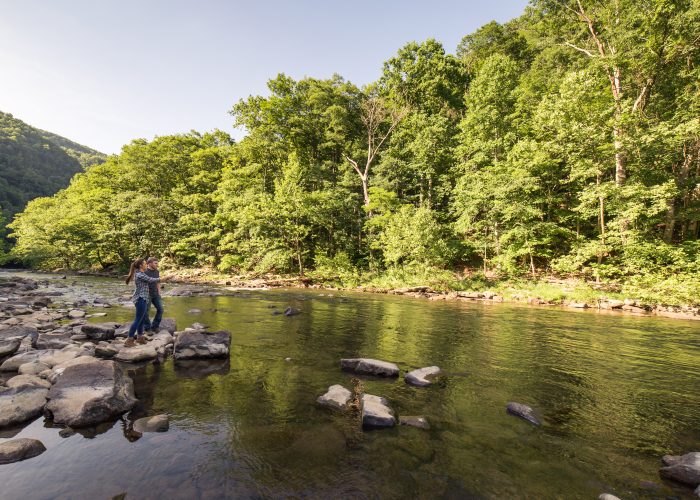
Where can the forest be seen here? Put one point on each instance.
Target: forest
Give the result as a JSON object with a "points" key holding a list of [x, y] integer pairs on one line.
{"points": [[565, 142]]}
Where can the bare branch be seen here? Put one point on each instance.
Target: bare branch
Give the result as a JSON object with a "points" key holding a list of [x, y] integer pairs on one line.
{"points": [[580, 49]]}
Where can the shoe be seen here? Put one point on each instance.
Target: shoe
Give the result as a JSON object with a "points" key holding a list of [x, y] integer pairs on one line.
{"points": [[129, 342], [141, 340]]}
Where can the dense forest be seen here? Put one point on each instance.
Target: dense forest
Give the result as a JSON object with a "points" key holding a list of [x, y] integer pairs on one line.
{"points": [[36, 163], [564, 142]]}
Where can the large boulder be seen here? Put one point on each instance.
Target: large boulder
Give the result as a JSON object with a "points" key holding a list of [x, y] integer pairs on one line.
{"points": [[376, 412], [336, 398], [523, 411], [98, 331], [682, 468], [19, 404], [89, 393], [20, 380], [423, 376], [33, 368], [197, 344], [367, 366], [16, 450]]}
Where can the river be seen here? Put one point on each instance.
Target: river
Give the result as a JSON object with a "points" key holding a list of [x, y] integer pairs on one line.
{"points": [[615, 393]]}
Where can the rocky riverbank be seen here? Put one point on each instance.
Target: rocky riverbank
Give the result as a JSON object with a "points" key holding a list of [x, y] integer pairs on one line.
{"points": [[56, 364]]}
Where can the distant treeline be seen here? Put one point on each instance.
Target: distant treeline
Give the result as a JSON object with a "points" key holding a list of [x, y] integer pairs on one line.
{"points": [[565, 141]]}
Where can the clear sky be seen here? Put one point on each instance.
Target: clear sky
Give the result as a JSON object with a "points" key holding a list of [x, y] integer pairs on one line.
{"points": [[104, 72]]}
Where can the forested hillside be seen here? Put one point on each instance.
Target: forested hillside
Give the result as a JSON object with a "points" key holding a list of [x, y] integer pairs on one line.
{"points": [[566, 141], [36, 163]]}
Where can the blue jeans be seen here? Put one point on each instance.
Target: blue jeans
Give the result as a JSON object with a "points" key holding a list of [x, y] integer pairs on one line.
{"points": [[141, 313], [157, 302]]}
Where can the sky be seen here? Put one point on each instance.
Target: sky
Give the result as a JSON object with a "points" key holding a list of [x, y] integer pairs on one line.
{"points": [[105, 72]]}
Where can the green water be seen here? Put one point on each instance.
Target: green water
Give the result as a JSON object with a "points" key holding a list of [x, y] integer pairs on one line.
{"points": [[614, 393]]}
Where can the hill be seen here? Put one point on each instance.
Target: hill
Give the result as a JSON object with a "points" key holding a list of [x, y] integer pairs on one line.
{"points": [[35, 163]]}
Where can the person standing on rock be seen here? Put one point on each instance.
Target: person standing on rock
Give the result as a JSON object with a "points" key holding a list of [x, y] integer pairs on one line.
{"points": [[140, 299], [155, 298]]}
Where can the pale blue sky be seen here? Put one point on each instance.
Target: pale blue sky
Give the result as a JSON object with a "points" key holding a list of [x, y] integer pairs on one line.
{"points": [[105, 72]]}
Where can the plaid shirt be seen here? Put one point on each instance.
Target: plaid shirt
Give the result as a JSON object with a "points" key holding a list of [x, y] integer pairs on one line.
{"points": [[142, 281]]}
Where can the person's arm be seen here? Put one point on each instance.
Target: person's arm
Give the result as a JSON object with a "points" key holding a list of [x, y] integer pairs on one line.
{"points": [[147, 278]]}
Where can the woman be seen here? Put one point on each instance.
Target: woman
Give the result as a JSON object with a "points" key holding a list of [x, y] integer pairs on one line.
{"points": [[140, 300]]}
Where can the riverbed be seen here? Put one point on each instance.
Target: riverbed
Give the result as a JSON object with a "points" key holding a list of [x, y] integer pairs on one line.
{"points": [[614, 393]]}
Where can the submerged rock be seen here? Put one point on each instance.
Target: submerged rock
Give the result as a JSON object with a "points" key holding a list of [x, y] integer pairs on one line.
{"points": [[194, 310], [523, 411], [201, 368], [423, 376], [291, 311], [16, 450], [196, 344], [376, 412], [682, 468], [90, 393], [415, 421], [157, 423], [370, 367], [19, 404], [336, 398]]}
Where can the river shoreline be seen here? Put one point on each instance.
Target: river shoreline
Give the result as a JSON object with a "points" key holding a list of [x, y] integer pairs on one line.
{"points": [[602, 303]]}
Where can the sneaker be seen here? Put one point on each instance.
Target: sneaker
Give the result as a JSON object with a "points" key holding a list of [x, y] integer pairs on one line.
{"points": [[129, 342], [141, 340]]}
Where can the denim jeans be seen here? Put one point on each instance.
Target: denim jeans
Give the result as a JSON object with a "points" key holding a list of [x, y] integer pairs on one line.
{"points": [[157, 302], [141, 313]]}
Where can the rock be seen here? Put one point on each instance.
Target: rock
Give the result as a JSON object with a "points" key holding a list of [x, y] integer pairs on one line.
{"points": [[19, 404], [288, 359], [376, 412], [202, 345], [106, 350], [336, 398], [194, 311], [682, 468], [470, 295], [578, 305], [9, 346], [20, 449], [137, 353], [20, 380], [607, 496], [697, 492], [66, 432], [158, 423], [415, 421], [53, 341], [169, 324], [89, 393], [12, 364], [12, 333], [522, 411], [76, 313], [423, 376], [197, 326], [369, 366], [98, 331], [291, 311], [33, 368]]}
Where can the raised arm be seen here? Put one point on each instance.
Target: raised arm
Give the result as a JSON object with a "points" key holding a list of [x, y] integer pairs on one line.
{"points": [[145, 277]]}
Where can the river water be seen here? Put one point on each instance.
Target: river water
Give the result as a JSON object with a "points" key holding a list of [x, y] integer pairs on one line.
{"points": [[615, 393]]}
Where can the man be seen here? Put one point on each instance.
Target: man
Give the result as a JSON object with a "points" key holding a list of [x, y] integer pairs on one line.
{"points": [[154, 295]]}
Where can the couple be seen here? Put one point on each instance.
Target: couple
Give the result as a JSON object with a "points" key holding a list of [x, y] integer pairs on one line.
{"points": [[147, 280]]}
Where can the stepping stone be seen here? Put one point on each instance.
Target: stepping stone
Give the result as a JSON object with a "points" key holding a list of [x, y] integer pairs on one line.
{"points": [[368, 366], [376, 412], [523, 411], [422, 377], [336, 398]]}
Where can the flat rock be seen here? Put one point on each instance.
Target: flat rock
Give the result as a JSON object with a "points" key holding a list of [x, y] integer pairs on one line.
{"points": [[414, 421], [76, 313], [523, 411], [376, 412], [98, 331], [682, 468], [12, 364], [578, 305], [369, 366], [194, 311], [607, 496], [20, 449], [137, 353], [157, 423], [197, 326], [202, 345], [20, 380], [90, 393], [33, 368], [336, 398], [423, 376], [106, 350], [19, 404]]}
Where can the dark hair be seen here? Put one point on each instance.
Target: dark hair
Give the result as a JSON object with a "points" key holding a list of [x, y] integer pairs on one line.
{"points": [[151, 260], [132, 270]]}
